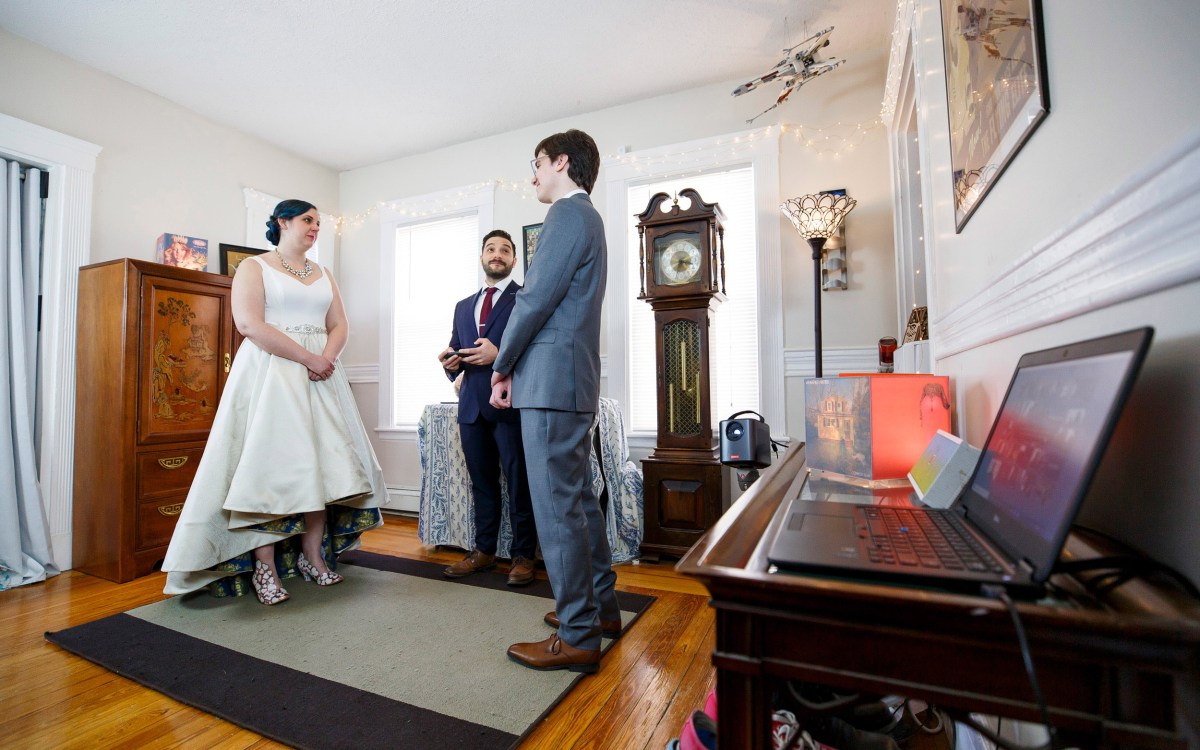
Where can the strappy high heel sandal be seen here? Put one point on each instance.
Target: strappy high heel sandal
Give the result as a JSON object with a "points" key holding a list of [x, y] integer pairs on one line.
{"points": [[266, 588], [309, 571]]}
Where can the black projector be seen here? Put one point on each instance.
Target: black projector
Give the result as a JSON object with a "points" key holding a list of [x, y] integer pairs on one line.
{"points": [[745, 443]]}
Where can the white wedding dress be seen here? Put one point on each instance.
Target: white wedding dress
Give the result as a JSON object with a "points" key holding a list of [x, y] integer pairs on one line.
{"points": [[280, 445]]}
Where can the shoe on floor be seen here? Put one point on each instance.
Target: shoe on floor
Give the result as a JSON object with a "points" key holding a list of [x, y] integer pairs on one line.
{"points": [[553, 653], [521, 572], [472, 563]]}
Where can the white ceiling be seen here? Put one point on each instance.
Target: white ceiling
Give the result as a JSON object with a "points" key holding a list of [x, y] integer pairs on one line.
{"points": [[347, 83]]}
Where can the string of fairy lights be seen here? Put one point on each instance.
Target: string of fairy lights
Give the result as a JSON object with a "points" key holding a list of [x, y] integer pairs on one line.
{"points": [[905, 16], [828, 142]]}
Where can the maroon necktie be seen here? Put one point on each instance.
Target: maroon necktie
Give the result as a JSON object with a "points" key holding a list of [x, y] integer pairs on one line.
{"points": [[487, 307]]}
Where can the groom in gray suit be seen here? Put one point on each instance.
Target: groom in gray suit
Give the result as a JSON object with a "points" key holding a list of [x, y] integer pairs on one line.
{"points": [[548, 366]]}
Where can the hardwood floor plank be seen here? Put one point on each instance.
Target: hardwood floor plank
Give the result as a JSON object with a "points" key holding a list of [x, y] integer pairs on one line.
{"points": [[649, 682]]}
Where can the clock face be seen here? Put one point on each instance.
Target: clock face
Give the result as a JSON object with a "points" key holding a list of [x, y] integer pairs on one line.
{"points": [[678, 260]]}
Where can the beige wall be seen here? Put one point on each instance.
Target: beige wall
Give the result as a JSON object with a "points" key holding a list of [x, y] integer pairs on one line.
{"points": [[163, 168], [1112, 119], [850, 95]]}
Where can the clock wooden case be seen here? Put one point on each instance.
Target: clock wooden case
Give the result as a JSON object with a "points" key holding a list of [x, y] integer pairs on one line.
{"points": [[682, 272]]}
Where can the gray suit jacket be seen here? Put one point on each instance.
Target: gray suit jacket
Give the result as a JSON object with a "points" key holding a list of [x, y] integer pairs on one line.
{"points": [[552, 343]]}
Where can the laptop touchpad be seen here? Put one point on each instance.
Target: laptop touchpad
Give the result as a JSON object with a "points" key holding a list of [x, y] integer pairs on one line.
{"points": [[822, 535]]}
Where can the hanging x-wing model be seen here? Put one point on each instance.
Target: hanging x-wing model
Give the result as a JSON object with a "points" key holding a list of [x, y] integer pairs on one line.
{"points": [[797, 68]]}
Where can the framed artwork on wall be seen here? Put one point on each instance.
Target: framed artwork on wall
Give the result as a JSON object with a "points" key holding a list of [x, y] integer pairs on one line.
{"points": [[529, 238], [232, 255], [996, 92]]}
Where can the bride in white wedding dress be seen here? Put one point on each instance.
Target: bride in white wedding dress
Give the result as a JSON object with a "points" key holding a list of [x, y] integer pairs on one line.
{"points": [[288, 479]]}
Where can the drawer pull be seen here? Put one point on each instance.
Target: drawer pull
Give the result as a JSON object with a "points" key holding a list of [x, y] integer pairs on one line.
{"points": [[227, 363], [172, 463], [170, 510]]}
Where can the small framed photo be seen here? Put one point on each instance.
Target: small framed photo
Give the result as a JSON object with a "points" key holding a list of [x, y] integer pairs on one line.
{"points": [[918, 325], [529, 236], [232, 255]]}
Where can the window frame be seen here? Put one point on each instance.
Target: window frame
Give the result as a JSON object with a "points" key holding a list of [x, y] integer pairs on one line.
{"points": [[394, 215], [760, 150]]}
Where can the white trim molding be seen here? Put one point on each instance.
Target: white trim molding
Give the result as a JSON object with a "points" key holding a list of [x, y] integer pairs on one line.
{"points": [[367, 374], [902, 27], [802, 363], [403, 499], [1138, 240], [362, 373], [760, 148], [65, 248]]}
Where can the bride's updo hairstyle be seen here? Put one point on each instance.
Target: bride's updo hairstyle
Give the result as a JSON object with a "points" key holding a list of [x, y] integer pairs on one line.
{"points": [[285, 210]]}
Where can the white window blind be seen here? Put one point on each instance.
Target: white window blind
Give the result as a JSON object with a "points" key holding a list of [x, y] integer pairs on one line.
{"points": [[734, 362], [436, 265]]}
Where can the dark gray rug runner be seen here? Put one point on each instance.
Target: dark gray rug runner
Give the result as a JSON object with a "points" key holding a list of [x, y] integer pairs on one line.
{"points": [[396, 656]]}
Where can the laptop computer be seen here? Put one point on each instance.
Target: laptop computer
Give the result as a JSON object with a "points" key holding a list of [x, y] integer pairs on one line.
{"points": [[1013, 515]]}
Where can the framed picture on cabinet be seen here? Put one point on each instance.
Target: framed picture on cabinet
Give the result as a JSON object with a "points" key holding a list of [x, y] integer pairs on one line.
{"points": [[232, 255], [996, 92], [529, 239]]}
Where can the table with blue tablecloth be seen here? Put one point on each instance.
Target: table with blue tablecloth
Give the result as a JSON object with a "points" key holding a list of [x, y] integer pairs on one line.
{"points": [[447, 509]]}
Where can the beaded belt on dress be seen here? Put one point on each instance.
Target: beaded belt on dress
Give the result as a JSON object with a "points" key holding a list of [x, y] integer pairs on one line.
{"points": [[306, 328]]}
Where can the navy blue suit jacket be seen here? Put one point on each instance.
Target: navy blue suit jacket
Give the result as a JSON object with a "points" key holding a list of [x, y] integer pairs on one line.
{"points": [[476, 389]]}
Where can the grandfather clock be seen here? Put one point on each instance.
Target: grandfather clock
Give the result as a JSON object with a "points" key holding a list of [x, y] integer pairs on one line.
{"points": [[682, 267]]}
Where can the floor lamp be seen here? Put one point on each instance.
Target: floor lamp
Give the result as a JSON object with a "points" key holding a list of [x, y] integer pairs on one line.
{"points": [[817, 218]]}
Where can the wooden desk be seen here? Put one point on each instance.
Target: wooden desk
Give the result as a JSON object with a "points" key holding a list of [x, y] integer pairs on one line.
{"points": [[1118, 673]]}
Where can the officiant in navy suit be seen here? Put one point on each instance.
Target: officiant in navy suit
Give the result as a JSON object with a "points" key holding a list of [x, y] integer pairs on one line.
{"points": [[491, 438]]}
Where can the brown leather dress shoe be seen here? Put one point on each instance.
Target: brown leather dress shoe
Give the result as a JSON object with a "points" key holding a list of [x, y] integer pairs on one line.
{"points": [[553, 653], [521, 572], [472, 563], [610, 628]]}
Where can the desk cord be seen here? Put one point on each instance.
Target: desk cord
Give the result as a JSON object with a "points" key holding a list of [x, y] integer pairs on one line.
{"points": [[998, 593], [1123, 568]]}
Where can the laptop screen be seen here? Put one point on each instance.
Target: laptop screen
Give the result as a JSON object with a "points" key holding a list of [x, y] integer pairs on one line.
{"points": [[1050, 433]]}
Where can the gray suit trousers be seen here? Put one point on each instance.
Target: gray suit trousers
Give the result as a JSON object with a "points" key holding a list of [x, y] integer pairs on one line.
{"points": [[570, 525]]}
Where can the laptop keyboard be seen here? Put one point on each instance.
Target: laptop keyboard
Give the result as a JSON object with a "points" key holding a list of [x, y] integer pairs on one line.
{"points": [[901, 536]]}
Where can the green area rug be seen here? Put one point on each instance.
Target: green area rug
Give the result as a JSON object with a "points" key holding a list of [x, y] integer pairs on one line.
{"points": [[395, 656]]}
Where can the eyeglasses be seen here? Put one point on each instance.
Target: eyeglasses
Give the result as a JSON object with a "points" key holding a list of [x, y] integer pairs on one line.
{"points": [[533, 163]]}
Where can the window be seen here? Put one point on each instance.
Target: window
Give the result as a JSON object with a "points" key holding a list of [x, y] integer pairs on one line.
{"points": [[734, 336], [741, 172], [429, 261]]}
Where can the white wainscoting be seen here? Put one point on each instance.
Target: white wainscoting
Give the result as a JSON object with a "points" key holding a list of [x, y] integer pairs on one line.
{"points": [[403, 499], [1138, 240], [362, 373], [802, 363]]}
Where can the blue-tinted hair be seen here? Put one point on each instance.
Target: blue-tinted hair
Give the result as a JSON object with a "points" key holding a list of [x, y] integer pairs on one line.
{"points": [[285, 210]]}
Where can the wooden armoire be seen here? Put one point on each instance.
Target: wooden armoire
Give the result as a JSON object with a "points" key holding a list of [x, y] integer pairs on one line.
{"points": [[154, 348]]}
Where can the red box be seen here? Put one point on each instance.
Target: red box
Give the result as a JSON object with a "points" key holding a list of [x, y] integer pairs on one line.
{"points": [[184, 252], [873, 426]]}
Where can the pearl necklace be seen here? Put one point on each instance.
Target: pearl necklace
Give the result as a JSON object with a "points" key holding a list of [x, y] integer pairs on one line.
{"points": [[308, 269]]}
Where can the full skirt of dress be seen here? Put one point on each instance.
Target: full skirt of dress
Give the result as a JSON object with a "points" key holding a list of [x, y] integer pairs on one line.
{"points": [[281, 445]]}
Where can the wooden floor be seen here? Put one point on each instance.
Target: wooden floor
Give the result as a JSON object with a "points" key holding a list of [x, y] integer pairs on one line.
{"points": [[648, 683]]}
